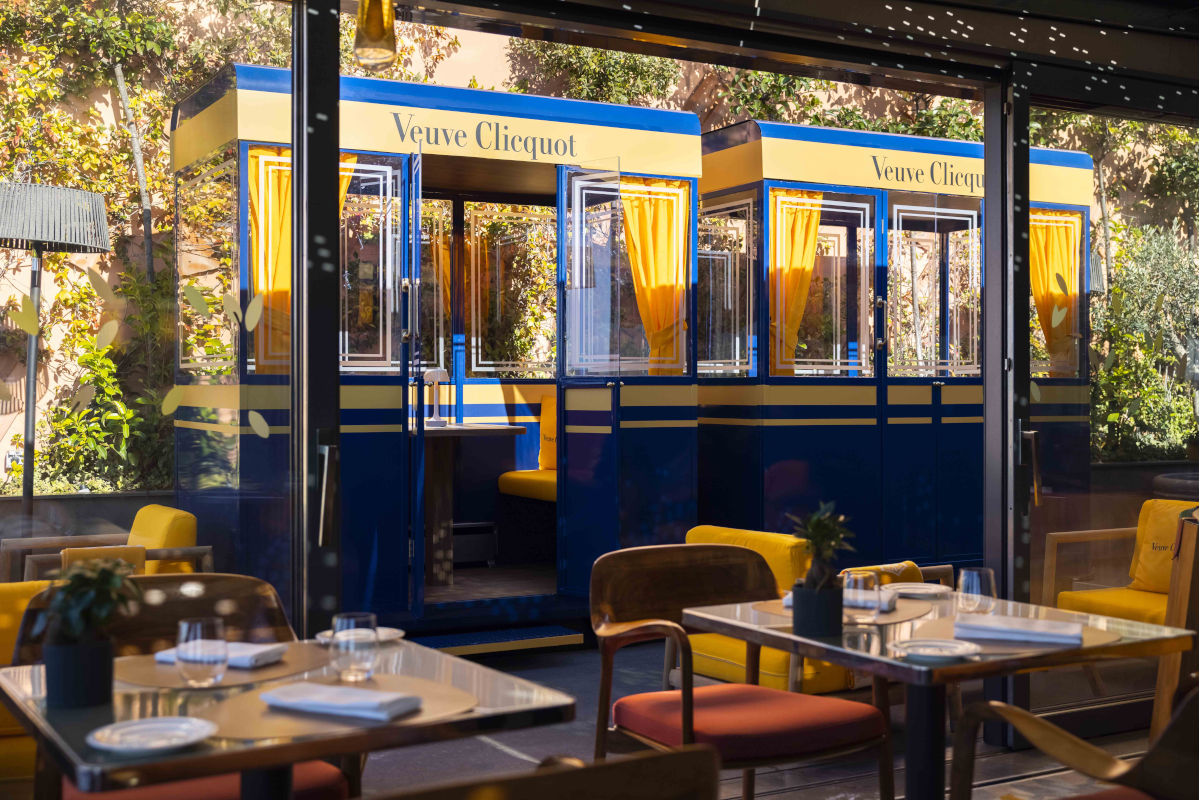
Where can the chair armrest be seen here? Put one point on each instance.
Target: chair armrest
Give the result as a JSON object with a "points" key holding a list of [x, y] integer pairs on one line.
{"points": [[14, 551], [942, 573], [1055, 538], [612, 636], [1063, 747], [38, 566], [200, 555]]}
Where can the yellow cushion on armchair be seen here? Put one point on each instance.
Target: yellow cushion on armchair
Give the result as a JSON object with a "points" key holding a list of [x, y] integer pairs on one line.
{"points": [[158, 526], [17, 751], [903, 572], [1158, 523]]}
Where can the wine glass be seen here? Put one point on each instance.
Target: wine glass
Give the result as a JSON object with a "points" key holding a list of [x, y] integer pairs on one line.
{"points": [[976, 590], [201, 652], [860, 595], [355, 645]]}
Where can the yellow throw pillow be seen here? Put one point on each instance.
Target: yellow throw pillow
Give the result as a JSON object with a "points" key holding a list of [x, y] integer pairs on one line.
{"points": [[903, 572], [1158, 523], [548, 455]]}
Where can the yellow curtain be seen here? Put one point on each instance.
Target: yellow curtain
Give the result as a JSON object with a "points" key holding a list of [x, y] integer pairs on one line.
{"points": [[1054, 258], [793, 253], [270, 179], [655, 213]]}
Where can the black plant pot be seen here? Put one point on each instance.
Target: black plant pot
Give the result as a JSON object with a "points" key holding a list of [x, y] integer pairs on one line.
{"points": [[817, 613], [78, 674]]}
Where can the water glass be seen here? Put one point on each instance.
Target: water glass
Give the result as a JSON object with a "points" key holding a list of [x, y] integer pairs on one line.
{"points": [[863, 587], [976, 590], [355, 646], [201, 652]]}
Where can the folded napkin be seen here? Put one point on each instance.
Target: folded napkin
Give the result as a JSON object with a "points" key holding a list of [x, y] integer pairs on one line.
{"points": [[343, 701], [242, 655], [859, 598], [1017, 629]]}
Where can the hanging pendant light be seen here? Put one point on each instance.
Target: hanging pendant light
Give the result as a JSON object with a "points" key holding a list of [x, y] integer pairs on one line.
{"points": [[375, 38]]}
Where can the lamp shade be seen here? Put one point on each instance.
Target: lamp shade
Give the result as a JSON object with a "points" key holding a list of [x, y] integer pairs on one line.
{"points": [[34, 216]]}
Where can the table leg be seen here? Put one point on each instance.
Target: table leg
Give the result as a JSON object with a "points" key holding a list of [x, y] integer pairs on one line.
{"points": [[47, 780], [439, 512], [925, 742], [274, 783]]}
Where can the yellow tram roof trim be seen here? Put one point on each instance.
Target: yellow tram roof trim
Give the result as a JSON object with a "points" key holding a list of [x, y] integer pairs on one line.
{"points": [[401, 117]]}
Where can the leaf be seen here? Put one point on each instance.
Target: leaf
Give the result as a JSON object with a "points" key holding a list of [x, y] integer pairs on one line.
{"points": [[196, 300], [1113, 417], [1057, 316], [170, 401], [108, 332], [25, 317], [1035, 392], [1112, 356], [253, 312], [258, 424], [83, 398], [232, 309], [101, 287], [1158, 304], [1062, 284], [1158, 342], [1116, 304]]}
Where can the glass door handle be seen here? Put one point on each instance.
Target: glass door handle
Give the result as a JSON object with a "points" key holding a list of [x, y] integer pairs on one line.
{"points": [[1031, 437], [328, 455]]}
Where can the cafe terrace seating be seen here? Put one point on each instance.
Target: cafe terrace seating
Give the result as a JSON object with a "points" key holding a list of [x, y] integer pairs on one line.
{"points": [[638, 594]]}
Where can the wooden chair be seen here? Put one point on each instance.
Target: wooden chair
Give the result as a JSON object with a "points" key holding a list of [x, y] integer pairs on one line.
{"points": [[1167, 772], [638, 594], [689, 773], [42, 566], [252, 612]]}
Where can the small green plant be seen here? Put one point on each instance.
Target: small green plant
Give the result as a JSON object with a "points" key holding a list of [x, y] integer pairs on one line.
{"points": [[826, 533], [86, 599]]}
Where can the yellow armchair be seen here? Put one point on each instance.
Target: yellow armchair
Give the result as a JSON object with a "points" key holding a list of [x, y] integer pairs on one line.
{"points": [[17, 751]]}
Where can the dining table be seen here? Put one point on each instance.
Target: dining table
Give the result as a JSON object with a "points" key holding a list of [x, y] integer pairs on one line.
{"points": [[460, 698], [867, 646]]}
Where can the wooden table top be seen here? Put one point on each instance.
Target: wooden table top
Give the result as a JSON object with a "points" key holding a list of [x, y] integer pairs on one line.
{"points": [[865, 647], [503, 702]]}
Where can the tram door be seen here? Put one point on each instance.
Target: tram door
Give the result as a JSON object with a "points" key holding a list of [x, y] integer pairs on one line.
{"points": [[932, 395]]}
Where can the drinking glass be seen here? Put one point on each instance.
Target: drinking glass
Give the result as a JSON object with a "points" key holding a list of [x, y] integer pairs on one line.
{"points": [[201, 653], [864, 587], [976, 590], [355, 646]]}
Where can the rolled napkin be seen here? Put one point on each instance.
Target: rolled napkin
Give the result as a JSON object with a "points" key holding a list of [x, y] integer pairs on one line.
{"points": [[342, 701], [859, 598], [1017, 629], [242, 655]]}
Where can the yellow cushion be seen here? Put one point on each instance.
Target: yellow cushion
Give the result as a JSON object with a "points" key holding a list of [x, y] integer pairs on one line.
{"points": [[131, 554], [162, 526], [1158, 523], [786, 555], [1121, 602], [904, 572], [16, 749], [548, 423], [724, 658], [17, 757], [536, 484]]}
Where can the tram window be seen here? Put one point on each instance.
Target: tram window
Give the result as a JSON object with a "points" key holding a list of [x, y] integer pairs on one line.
{"points": [[933, 285], [206, 246], [821, 283], [628, 270], [725, 287], [511, 284], [433, 290], [1055, 275]]}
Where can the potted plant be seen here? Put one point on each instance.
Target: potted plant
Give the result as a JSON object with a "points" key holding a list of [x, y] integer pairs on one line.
{"points": [[77, 654], [817, 598]]}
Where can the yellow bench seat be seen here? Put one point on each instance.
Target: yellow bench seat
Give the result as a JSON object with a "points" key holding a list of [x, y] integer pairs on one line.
{"points": [[535, 484], [1120, 601]]}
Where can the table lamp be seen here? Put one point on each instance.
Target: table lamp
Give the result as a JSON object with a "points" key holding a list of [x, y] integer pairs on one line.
{"points": [[432, 378]]}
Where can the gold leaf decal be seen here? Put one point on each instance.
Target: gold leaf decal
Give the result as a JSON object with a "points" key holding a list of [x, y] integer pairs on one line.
{"points": [[25, 317], [83, 398], [1058, 316], [196, 300], [108, 332], [170, 401], [232, 309], [1062, 284], [1035, 392], [258, 424], [254, 312]]}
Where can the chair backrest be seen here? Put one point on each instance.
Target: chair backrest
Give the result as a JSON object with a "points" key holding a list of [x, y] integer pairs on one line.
{"points": [[786, 555], [249, 607], [135, 555], [689, 773], [548, 428], [1153, 550], [659, 581], [14, 599], [162, 526]]}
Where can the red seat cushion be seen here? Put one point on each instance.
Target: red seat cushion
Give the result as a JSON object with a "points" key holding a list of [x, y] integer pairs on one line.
{"points": [[752, 722], [311, 780]]}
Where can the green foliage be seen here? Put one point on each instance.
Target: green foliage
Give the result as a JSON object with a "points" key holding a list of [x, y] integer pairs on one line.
{"points": [[1143, 394], [916, 114], [88, 596], [826, 533], [769, 96], [588, 73]]}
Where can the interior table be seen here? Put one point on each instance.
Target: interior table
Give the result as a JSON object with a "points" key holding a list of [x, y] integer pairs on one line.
{"points": [[865, 647], [503, 702], [440, 446]]}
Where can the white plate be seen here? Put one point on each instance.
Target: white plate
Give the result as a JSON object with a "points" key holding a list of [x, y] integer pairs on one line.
{"points": [[934, 651], [151, 735], [385, 635], [919, 589]]}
